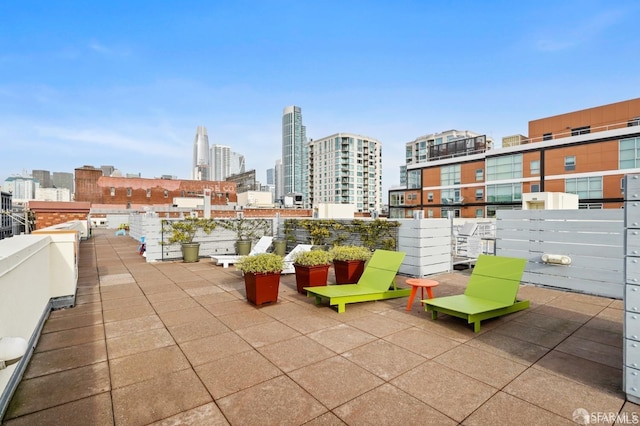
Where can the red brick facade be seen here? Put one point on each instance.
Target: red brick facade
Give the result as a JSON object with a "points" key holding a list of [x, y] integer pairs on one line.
{"points": [[49, 213], [91, 186]]}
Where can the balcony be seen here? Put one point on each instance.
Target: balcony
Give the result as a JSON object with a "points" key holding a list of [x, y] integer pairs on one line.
{"points": [[177, 343]]}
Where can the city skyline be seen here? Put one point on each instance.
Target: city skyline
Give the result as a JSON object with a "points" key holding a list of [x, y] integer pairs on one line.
{"points": [[76, 90]]}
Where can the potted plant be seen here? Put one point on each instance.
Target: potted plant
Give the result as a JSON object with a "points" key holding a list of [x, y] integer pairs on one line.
{"points": [[261, 277], [184, 231], [348, 263], [312, 268], [246, 231]]}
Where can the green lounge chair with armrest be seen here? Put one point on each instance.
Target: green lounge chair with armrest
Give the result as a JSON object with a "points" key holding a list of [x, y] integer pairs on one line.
{"points": [[376, 283], [491, 292]]}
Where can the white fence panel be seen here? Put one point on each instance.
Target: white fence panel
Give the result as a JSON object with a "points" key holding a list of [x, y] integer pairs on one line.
{"points": [[593, 239], [427, 244]]}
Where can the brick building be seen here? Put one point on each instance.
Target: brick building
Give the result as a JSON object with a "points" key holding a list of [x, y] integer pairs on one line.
{"points": [[49, 213], [93, 187], [585, 152]]}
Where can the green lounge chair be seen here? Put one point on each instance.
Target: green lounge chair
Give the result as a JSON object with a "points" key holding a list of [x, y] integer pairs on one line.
{"points": [[376, 283], [491, 292]]}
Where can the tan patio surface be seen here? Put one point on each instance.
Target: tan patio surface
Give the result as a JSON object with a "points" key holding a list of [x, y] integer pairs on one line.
{"points": [[175, 343]]}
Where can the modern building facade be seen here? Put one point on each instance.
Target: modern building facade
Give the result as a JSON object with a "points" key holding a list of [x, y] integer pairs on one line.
{"points": [[345, 168], [201, 169], [279, 181], [294, 152], [23, 188], [220, 162], [445, 144], [585, 152], [43, 177], [63, 180]]}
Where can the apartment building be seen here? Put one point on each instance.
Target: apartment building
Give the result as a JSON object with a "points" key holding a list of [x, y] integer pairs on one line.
{"points": [[345, 168], [584, 152]]}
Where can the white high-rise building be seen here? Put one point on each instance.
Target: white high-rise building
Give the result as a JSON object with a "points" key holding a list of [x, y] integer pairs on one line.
{"points": [[225, 163], [278, 181], [201, 169], [345, 168], [294, 152], [220, 162]]}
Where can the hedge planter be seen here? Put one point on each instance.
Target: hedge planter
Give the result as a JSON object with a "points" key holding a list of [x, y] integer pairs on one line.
{"points": [[191, 252], [262, 288], [310, 276], [348, 271]]}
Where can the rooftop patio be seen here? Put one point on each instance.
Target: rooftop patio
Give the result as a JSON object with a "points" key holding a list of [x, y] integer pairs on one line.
{"points": [[176, 343]]}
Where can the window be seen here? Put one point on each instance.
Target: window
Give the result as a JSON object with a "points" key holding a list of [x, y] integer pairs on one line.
{"points": [[450, 175], [504, 193], [547, 137], [128, 204], [587, 187], [430, 196], [535, 187], [629, 153], [479, 212], [634, 122], [149, 193], [113, 191], [430, 214], [166, 194], [479, 194], [569, 163], [506, 167], [128, 192], [580, 130], [450, 196], [396, 199], [479, 175], [534, 167], [413, 179]]}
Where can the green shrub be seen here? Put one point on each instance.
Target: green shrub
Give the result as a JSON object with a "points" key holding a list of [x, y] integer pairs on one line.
{"points": [[350, 253], [261, 263], [313, 258]]}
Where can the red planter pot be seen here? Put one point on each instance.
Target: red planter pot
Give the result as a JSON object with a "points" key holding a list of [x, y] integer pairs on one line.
{"points": [[311, 276], [348, 271], [262, 288]]}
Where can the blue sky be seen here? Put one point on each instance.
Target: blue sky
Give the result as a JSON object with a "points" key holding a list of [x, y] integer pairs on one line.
{"points": [[127, 83]]}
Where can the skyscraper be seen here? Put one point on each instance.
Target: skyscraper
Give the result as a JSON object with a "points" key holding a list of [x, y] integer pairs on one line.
{"points": [[278, 181], [225, 162], [201, 169], [294, 152]]}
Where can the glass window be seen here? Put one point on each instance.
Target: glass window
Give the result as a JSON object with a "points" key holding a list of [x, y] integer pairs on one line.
{"points": [[113, 191], [166, 194], [534, 167], [629, 153], [413, 179], [430, 196], [479, 212], [507, 192], [479, 175], [580, 130], [569, 162], [587, 187], [450, 196], [535, 187], [547, 137], [507, 167], [450, 175], [148, 193], [479, 194]]}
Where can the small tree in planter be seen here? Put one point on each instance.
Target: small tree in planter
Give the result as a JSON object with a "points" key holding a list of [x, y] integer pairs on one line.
{"points": [[312, 268], [246, 231], [348, 263], [184, 232], [261, 277]]}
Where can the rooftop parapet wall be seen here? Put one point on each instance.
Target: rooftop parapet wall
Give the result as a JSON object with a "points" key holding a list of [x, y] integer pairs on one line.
{"points": [[38, 272]]}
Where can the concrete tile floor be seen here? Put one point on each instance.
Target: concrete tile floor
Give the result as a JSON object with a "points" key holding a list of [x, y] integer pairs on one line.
{"points": [[177, 343]]}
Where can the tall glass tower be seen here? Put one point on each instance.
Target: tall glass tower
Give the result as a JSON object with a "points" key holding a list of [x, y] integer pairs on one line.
{"points": [[201, 169], [294, 152]]}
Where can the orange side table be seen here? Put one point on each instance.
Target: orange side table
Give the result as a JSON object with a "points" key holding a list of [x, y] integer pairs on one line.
{"points": [[422, 283]]}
